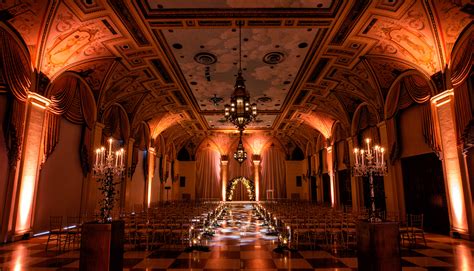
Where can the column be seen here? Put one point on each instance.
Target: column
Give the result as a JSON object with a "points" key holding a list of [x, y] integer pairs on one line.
{"points": [[330, 165], [90, 188], [151, 169], [356, 187], [256, 175], [444, 118], [224, 174], [127, 182], [393, 181], [26, 184]]}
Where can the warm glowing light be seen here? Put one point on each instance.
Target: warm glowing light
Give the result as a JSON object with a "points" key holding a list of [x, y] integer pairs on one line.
{"points": [[257, 179], [257, 143], [26, 200], [161, 124], [224, 167], [30, 164], [443, 98], [447, 132], [151, 166], [331, 174], [39, 100], [443, 103], [320, 122], [38, 105]]}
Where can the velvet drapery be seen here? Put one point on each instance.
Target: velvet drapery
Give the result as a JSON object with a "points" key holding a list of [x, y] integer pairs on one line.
{"points": [[412, 89], [208, 181], [16, 72], [273, 173]]}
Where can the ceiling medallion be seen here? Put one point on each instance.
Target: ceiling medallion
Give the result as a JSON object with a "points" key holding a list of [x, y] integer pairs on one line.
{"points": [[264, 99], [216, 100], [205, 58], [274, 58]]}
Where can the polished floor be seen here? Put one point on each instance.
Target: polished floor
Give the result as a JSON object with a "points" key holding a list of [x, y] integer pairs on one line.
{"points": [[241, 243]]}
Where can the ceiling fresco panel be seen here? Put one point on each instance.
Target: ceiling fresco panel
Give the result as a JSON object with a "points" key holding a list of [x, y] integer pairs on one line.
{"points": [[172, 4], [209, 58], [71, 40]]}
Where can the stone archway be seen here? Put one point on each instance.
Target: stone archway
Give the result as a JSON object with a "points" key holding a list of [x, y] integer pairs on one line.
{"points": [[249, 184]]}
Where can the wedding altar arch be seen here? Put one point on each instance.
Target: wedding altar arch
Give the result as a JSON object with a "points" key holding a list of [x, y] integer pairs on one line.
{"points": [[249, 184]]}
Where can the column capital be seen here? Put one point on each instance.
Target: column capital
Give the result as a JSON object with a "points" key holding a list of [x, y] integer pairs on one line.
{"points": [[256, 157], [38, 100], [99, 125], [443, 97]]}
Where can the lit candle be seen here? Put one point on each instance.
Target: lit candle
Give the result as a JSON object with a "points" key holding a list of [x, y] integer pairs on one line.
{"points": [[110, 146], [121, 156], [116, 158], [356, 154], [97, 151], [368, 145], [102, 158], [382, 150], [376, 150]]}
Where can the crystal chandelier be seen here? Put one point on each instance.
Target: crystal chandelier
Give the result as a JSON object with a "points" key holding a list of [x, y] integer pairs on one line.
{"points": [[368, 163], [108, 161], [240, 154], [240, 112]]}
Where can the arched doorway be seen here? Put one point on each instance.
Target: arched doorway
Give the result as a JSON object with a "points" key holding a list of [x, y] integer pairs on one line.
{"points": [[249, 184]]}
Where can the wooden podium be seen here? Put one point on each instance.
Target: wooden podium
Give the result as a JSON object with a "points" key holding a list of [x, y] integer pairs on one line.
{"points": [[378, 246], [102, 246]]}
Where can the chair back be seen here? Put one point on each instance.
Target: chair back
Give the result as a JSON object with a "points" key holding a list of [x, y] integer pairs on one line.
{"points": [[416, 221], [55, 223]]}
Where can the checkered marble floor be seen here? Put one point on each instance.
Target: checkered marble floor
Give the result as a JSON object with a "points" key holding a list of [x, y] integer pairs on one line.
{"points": [[240, 243]]}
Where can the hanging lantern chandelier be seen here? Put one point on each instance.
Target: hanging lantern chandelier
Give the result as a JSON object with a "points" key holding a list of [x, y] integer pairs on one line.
{"points": [[240, 112], [240, 154]]}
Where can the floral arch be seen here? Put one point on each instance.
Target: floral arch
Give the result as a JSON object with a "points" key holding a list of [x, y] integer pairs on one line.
{"points": [[229, 192]]}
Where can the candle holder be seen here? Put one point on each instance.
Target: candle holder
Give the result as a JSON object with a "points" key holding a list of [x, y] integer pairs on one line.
{"points": [[370, 162], [108, 161], [107, 164]]}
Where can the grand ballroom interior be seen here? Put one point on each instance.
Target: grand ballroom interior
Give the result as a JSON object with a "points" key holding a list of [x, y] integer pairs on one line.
{"points": [[234, 134]]}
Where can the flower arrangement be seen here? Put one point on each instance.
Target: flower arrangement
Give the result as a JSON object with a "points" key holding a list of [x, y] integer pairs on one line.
{"points": [[246, 182], [108, 191]]}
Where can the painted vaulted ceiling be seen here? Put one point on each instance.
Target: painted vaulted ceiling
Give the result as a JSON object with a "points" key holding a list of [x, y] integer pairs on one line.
{"points": [[172, 64]]}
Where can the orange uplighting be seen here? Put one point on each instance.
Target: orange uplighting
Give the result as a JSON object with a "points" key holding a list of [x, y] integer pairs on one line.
{"points": [[160, 125], [39, 100], [331, 174], [26, 201], [224, 168], [222, 142], [447, 133], [257, 142], [151, 166], [31, 160], [320, 122], [257, 179]]}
